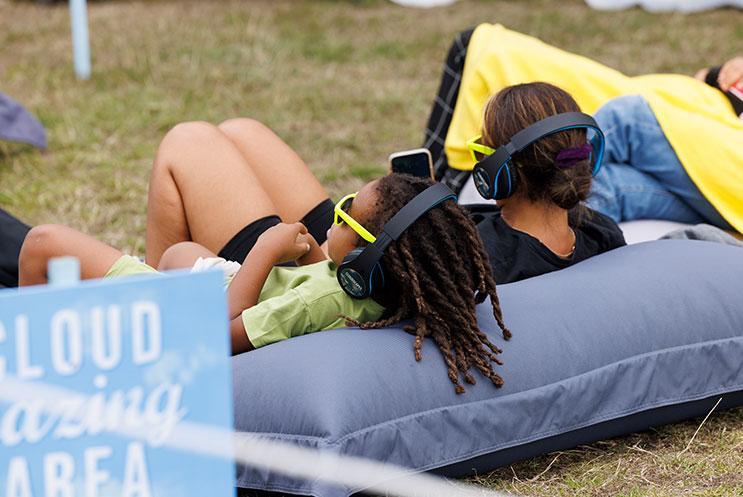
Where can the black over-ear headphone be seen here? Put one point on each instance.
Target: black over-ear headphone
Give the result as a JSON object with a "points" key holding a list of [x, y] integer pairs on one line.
{"points": [[496, 178], [361, 272]]}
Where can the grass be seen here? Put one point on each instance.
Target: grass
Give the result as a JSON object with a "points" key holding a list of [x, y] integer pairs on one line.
{"points": [[667, 461], [345, 83]]}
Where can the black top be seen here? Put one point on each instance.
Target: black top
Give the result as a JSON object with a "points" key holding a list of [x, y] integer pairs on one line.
{"points": [[515, 255]]}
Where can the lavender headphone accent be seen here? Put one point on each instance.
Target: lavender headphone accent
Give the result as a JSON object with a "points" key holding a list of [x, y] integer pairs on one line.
{"points": [[573, 155]]}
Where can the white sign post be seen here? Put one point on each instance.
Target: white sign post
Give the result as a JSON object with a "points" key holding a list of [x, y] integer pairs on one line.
{"points": [[80, 42]]}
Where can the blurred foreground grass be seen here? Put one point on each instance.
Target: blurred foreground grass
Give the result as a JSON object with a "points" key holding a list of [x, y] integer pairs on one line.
{"points": [[345, 84]]}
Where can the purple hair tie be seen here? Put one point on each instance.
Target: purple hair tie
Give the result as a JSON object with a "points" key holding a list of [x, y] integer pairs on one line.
{"points": [[571, 156]]}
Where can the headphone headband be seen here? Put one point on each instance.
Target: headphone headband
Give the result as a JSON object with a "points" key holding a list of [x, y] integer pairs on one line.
{"points": [[413, 210], [550, 125], [527, 136]]}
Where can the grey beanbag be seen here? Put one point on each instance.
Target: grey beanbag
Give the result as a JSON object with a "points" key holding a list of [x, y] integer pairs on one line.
{"points": [[643, 335]]}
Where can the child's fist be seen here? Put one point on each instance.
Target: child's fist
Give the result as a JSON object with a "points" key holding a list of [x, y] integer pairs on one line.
{"points": [[288, 242]]}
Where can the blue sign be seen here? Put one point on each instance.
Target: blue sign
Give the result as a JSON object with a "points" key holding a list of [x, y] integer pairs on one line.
{"points": [[116, 388]]}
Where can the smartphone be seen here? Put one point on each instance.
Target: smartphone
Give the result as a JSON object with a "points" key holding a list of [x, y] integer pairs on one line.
{"points": [[415, 162]]}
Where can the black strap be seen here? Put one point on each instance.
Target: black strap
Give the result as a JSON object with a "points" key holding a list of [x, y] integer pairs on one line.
{"points": [[551, 125], [711, 78], [412, 211]]}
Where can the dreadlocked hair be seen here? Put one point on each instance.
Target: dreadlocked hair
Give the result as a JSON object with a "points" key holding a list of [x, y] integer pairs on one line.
{"points": [[435, 274]]}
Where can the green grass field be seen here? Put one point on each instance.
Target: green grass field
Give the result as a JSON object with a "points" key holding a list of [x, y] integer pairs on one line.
{"points": [[345, 84]]}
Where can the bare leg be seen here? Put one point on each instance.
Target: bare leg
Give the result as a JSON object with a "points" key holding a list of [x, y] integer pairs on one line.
{"points": [[183, 255], [47, 241], [285, 177], [202, 190]]}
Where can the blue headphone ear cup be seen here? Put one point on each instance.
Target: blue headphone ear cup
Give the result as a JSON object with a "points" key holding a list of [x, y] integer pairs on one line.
{"points": [[373, 282], [351, 281], [505, 181], [351, 256], [482, 181]]}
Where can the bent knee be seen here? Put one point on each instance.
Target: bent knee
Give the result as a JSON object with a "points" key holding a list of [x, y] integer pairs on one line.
{"points": [[182, 255], [40, 242], [190, 130], [184, 136], [244, 128]]}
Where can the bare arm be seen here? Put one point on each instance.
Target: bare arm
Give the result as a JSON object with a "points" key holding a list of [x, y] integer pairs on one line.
{"points": [[48, 241], [281, 243], [244, 291], [246, 287], [238, 337]]}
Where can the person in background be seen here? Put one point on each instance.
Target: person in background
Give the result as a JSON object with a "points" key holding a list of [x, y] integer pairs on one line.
{"points": [[642, 177], [691, 127]]}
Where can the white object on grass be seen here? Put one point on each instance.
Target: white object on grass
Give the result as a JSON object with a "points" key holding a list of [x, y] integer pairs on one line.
{"points": [[80, 41], [664, 5], [424, 4]]}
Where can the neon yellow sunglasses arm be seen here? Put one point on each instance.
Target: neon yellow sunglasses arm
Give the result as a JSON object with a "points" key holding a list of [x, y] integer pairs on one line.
{"points": [[346, 217], [475, 147]]}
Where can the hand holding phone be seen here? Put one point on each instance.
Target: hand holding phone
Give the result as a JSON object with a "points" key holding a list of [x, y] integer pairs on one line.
{"points": [[416, 162]]}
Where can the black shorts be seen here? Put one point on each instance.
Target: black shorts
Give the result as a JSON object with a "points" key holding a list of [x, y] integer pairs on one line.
{"points": [[317, 221]]}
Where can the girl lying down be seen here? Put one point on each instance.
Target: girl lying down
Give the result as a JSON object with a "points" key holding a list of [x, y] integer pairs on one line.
{"points": [[433, 274]]}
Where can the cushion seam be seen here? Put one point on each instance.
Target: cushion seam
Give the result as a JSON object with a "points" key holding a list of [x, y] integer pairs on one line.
{"points": [[534, 437], [469, 404], [339, 441]]}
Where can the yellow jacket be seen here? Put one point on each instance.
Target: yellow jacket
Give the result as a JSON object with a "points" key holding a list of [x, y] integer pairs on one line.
{"points": [[697, 119]]}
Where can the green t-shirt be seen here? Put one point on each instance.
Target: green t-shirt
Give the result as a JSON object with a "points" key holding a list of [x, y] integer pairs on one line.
{"points": [[293, 301], [299, 300]]}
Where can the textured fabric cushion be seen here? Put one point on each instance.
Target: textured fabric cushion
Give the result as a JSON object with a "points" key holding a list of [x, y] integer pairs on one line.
{"points": [[612, 344]]}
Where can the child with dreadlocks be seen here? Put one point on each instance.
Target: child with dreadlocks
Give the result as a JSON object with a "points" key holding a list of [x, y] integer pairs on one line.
{"points": [[268, 302]]}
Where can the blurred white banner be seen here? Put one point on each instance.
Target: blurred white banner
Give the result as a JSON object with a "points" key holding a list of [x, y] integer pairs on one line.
{"points": [[665, 5], [423, 4]]}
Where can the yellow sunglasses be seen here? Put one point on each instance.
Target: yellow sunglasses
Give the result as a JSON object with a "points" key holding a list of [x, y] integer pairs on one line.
{"points": [[478, 151], [341, 215]]}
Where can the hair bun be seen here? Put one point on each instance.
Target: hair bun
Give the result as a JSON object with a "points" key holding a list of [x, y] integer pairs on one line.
{"points": [[570, 185]]}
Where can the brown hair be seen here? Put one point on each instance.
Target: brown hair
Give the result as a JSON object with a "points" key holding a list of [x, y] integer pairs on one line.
{"points": [[516, 107], [435, 274]]}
